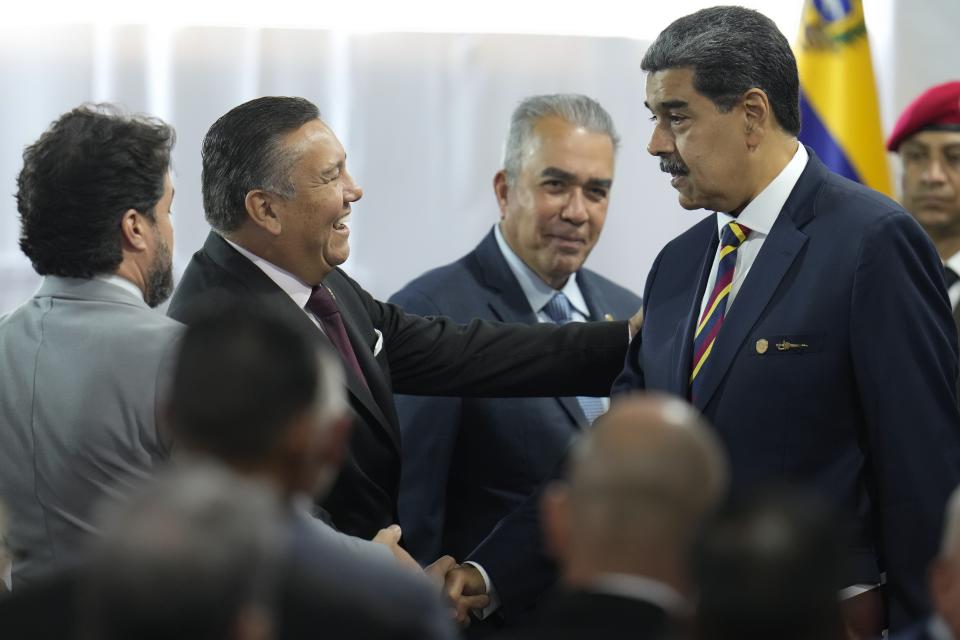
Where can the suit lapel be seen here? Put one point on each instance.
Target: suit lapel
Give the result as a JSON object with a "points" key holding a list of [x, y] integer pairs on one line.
{"points": [[510, 304], [779, 251], [376, 394], [259, 284]]}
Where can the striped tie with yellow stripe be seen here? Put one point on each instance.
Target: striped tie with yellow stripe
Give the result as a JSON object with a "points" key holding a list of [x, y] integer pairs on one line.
{"points": [[705, 335]]}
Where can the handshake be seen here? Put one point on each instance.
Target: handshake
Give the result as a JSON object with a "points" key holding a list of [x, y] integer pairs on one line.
{"points": [[462, 584]]}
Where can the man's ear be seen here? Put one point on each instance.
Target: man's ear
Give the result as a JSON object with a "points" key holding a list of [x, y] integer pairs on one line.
{"points": [[555, 511], [501, 187], [757, 115], [132, 230], [260, 206]]}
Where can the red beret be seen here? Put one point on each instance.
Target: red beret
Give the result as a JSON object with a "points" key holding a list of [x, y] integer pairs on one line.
{"points": [[939, 105]]}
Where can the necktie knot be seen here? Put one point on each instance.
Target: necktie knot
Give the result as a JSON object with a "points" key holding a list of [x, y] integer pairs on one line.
{"points": [[734, 234], [559, 309], [321, 302]]}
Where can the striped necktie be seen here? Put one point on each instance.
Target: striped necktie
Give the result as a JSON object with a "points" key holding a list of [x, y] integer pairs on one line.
{"points": [[731, 238], [560, 311]]}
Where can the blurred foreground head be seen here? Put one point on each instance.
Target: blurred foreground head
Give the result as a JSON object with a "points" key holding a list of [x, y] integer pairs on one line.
{"points": [[770, 567], [196, 555], [642, 480], [256, 393]]}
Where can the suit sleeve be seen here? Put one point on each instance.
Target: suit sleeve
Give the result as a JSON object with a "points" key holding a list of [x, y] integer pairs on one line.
{"points": [[437, 356], [429, 426], [631, 377], [904, 347]]}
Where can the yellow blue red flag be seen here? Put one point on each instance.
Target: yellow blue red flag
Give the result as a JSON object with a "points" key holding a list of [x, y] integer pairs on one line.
{"points": [[838, 95]]}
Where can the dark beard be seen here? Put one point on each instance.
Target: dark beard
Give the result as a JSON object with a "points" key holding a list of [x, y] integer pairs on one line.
{"points": [[159, 284]]}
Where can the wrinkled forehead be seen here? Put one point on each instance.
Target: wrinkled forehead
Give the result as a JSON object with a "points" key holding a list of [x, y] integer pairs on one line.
{"points": [[668, 87]]}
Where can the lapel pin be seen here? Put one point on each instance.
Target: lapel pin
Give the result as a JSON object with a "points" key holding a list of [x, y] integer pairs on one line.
{"points": [[608, 317], [783, 345], [762, 346]]}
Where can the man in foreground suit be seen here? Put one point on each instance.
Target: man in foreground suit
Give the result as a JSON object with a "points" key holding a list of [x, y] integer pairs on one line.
{"points": [[927, 138], [85, 357], [251, 391], [468, 462], [278, 195], [641, 482], [808, 318]]}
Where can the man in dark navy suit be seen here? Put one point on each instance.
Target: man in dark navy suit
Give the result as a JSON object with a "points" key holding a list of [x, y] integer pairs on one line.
{"points": [[808, 318], [468, 462]]}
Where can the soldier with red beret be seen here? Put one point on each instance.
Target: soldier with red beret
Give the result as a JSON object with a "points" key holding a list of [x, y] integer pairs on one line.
{"points": [[927, 137]]}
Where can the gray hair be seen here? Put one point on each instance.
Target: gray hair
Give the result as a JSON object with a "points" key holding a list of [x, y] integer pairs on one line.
{"points": [[578, 110], [185, 557]]}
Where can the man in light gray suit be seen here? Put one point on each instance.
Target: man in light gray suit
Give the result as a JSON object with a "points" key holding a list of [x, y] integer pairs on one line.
{"points": [[83, 360]]}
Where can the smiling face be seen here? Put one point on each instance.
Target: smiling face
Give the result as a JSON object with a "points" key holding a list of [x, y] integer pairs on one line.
{"points": [[704, 149], [314, 232], [931, 181], [553, 212]]}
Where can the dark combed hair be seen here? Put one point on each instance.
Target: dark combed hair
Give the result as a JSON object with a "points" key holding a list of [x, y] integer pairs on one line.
{"points": [[78, 179], [242, 375], [732, 50], [244, 150]]}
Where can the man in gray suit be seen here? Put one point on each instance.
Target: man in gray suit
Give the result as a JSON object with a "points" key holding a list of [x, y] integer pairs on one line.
{"points": [[84, 358]]}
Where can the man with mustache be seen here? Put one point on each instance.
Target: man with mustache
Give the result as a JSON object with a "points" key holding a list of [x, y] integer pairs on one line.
{"points": [[927, 138], [807, 319], [278, 195], [84, 359], [553, 192]]}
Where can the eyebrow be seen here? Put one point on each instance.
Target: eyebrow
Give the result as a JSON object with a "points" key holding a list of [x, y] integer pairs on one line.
{"points": [[566, 176], [668, 104]]}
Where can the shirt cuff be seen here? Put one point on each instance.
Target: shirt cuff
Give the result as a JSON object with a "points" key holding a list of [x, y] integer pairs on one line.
{"points": [[486, 612]]}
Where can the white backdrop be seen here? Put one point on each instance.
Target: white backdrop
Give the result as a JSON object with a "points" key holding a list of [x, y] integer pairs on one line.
{"points": [[422, 116]]}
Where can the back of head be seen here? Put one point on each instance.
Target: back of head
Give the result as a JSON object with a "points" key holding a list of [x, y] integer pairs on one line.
{"points": [[641, 482], [770, 567], [244, 150], [91, 166], [575, 109], [196, 555], [243, 375], [732, 49]]}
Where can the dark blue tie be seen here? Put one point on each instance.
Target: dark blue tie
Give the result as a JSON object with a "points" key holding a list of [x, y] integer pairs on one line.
{"points": [[560, 311]]}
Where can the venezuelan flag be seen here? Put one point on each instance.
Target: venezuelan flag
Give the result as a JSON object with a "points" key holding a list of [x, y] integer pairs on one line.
{"points": [[838, 96]]}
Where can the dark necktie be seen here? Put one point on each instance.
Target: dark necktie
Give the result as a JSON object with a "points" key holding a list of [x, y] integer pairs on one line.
{"points": [[731, 238], [324, 307], [560, 311]]}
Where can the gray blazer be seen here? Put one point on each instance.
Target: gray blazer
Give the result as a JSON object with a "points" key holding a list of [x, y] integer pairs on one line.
{"points": [[81, 366]]}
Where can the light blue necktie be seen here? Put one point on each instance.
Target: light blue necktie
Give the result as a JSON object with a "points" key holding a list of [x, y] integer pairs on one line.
{"points": [[560, 311]]}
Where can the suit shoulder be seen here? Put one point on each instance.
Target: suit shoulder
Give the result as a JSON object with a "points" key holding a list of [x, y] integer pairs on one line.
{"points": [[438, 284], [611, 289], [856, 201]]}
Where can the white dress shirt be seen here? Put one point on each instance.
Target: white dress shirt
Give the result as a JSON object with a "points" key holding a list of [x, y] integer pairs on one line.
{"points": [[954, 292], [123, 283], [758, 216]]}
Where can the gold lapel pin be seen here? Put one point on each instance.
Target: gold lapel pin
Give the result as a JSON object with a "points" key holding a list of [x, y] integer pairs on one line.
{"points": [[762, 346], [608, 317], [783, 345]]}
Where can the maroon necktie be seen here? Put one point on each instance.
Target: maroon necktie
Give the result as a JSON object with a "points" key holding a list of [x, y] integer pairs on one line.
{"points": [[324, 307]]}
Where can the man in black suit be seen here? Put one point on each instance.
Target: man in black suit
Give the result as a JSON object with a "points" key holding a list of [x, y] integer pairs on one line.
{"points": [[278, 195], [640, 484], [553, 192]]}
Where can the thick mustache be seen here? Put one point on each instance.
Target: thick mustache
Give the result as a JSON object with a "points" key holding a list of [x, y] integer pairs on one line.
{"points": [[673, 167]]}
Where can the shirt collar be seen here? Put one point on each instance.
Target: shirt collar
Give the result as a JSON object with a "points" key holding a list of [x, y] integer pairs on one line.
{"points": [[762, 212], [938, 629], [538, 292], [641, 588], [954, 262], [298, 290], [121, 282]]}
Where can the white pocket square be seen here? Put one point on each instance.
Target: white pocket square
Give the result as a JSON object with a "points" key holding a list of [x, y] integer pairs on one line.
{"points": [[377, 348]]}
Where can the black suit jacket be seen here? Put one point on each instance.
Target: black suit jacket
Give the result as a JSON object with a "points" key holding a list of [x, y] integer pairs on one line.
{"points": [[432, 356], [468, 462]]}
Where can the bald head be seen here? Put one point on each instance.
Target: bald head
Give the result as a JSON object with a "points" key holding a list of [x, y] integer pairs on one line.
{"points": [[641, 482]]}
